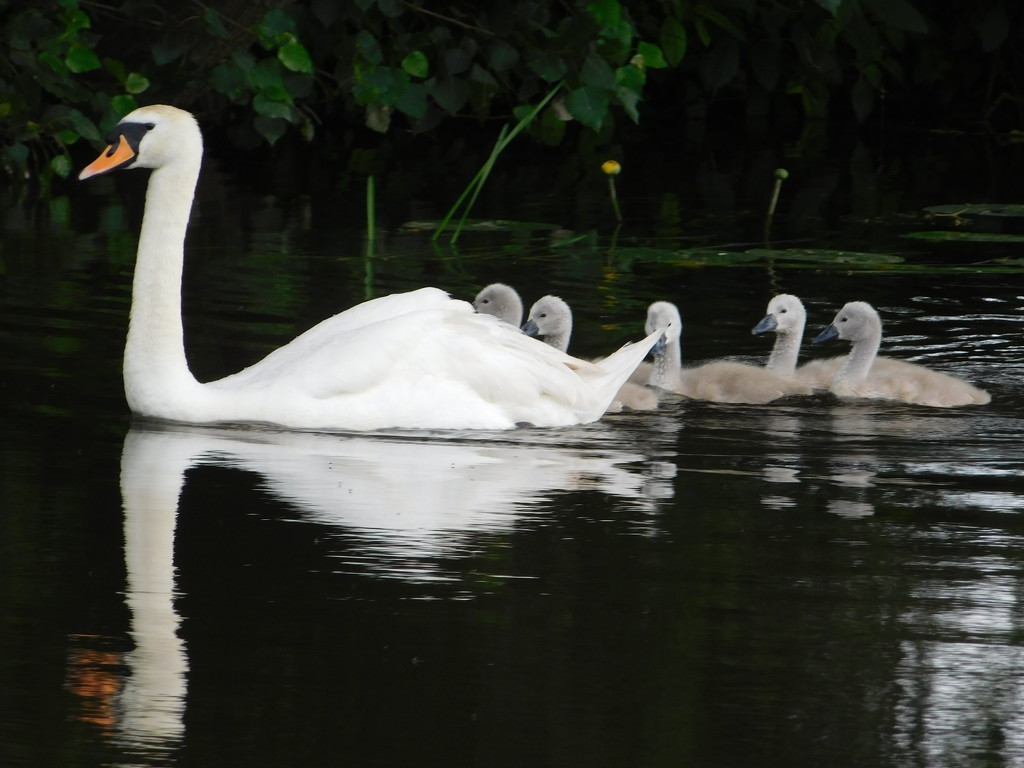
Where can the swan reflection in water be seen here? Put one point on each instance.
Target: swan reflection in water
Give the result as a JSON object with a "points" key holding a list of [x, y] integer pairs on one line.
{"points": [[403, 499]]}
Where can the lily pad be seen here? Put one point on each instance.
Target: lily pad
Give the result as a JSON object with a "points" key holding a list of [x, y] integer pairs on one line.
{"points": [[484, 225], [710, 257], [1013, 210], [826, 256], [945, 236]]}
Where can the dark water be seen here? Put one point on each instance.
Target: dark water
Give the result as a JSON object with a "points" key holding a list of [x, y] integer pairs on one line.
{"points": [[805, 584]]}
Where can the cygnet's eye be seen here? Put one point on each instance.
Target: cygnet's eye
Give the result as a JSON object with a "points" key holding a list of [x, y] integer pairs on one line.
{"points": [[783, 311], [543, 314], [842, 319]]}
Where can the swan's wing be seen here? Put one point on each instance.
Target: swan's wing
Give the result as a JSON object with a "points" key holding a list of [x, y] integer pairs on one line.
{"points": [[313, 354], [820, 372], [441, 365], [726, 381], [913, 383]]}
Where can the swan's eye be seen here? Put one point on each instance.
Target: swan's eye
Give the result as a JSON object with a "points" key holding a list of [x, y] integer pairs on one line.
{"points": [[783, 311], [544, 314], [842, 319]]}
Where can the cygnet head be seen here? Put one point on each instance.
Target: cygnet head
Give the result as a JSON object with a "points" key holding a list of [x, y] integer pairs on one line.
{"points": [[855, 321], [786, 314], [664, 315], [150, 137], [550, 319], [502, 301]]}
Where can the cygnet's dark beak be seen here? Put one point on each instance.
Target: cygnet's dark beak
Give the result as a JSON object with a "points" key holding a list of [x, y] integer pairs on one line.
{"points": [[768, 323], [530, 329], [826, 335], [659, 346]]}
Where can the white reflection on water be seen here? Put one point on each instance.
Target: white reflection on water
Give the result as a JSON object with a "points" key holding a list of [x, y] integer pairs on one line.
{"points": [[961, 690], [404, 499]]}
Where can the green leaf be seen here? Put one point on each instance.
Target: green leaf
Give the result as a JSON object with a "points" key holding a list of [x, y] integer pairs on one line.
{"points": [[61, 165], [368, 47], [17, 154], [416, 64], [413, 101], [54, 63], [276, 23], [456, 61], [81, 59], [832, 6], [719, 65], [900, 14], [702, 31], [213, 21], [549, 66], [167, 50], [629, 87], [863, 98], [992, 28], [392, 9], [270, 128], [116, 68], [764, 63], [607, 13], [673, 40], [652, 56], [589, 105], [295, 57], [719, 19], [450, 93], [85, 126], [502, 56], [123, 104], [230, 80], [266, 78], [270, 108], [136, 83], [597, 73]]}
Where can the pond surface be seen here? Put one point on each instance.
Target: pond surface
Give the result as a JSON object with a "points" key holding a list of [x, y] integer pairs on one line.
{"points": [[802, 584]]}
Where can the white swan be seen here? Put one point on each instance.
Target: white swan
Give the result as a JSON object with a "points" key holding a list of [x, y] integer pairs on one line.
{"points": [[865, 375], [412, 360], [720, 381], [550, 319], [502, 301]]}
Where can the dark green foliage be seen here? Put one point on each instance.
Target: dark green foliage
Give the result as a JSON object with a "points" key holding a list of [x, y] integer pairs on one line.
{"points": [[263, 68]]}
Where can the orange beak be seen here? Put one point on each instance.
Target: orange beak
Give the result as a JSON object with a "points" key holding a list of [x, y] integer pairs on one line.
{"points": [[113, 157]]}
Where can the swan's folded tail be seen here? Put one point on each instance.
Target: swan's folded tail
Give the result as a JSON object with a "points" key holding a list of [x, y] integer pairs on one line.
{"points": [[608, 375]]}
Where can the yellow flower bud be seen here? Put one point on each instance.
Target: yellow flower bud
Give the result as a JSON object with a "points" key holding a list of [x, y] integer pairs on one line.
{"points": [[611, 167]]}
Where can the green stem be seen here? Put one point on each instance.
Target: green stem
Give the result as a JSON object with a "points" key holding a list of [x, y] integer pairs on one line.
{"points": [[615, 199], [472, 191]]}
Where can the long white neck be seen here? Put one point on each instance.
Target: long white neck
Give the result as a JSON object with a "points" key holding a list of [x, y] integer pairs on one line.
{"points": [[785, 352], [560, 340], [667, 366], [156, 374], [858, 363]]}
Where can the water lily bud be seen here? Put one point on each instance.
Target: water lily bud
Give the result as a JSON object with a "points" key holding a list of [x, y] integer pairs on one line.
{"points": [[611, 167]]}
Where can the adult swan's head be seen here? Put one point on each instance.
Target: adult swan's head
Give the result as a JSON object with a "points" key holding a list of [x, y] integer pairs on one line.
{"points": [[150, 137]]}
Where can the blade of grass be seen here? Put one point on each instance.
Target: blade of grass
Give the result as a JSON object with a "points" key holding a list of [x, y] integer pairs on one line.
{"points": [[472, 190]]}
